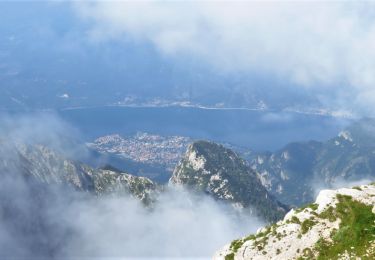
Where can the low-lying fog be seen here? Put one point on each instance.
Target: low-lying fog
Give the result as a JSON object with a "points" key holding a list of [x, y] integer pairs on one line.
{"points": [[39, 220]]}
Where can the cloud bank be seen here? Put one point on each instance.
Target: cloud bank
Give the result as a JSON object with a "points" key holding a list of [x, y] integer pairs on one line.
{"points": [[326, 47], [43, 128], [55, 222]]}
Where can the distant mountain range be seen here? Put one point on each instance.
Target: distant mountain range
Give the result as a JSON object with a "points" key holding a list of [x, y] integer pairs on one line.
{"points": [[207, 168], [263, 186], [144, 154], [294, 172]]}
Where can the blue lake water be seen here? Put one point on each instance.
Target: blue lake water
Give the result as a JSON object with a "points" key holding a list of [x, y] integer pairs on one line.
{"points": [[259, 130]]}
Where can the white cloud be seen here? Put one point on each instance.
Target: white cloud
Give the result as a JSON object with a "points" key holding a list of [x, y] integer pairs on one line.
{"points": [[40, 221], [72, 225], [318, 45], [180, 225]]}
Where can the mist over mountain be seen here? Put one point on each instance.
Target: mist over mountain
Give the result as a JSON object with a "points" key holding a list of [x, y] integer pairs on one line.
{"points": [[55, 207], [296, 172], [218, 171], [166, 129]]}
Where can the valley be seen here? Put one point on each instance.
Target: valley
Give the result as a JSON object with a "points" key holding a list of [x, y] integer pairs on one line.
{"points": [[224, 130], [293, 173], [241, 183]]}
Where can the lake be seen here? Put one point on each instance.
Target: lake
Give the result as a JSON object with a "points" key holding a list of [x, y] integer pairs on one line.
{"points": [[258, 130]]}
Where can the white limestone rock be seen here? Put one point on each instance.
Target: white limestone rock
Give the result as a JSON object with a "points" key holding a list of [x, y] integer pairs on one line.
{"points": [[285, 239]]}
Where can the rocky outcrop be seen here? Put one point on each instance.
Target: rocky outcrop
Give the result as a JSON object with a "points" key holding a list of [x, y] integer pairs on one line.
{"points": [[339, 225], [49, 167], [211, 168]]}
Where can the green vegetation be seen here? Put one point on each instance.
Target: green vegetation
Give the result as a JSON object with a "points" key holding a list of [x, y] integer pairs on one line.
{"points": [[229, 256], [260, 240], [355, 234], [312, 206], [354, 237], [251, 237], [329, 214], [295, 220], [306, 225], [236, 244], [307, 252]]}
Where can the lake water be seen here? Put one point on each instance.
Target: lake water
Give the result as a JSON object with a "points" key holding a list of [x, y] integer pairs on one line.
{"points": [[259, 130]]}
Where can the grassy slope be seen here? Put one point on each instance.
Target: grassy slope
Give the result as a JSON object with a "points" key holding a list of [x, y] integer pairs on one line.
{"points": [[356, 232]]}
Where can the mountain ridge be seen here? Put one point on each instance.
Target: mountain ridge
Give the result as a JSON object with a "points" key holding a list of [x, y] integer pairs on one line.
{"points": [[211, 168], [294, 172], [339, 225], [49, 167]]}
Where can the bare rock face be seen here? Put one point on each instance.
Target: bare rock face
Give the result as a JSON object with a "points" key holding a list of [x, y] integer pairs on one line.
{"points": [[339, 225], [46, 166], [219, 172]]}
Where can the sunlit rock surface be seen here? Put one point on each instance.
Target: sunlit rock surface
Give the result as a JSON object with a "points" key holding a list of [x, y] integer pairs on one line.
{"points": [[219, 172], [47, 166], [340, 224]]}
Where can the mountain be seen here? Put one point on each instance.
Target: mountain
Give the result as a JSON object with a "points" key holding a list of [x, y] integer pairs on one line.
{"points": [[295, 171], [218, 171], [49, 167], [149, 155], [339, 225]]}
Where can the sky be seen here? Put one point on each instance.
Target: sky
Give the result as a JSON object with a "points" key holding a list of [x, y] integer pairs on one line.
{"points": [[287, 54], [60, 54], [325, 47]]}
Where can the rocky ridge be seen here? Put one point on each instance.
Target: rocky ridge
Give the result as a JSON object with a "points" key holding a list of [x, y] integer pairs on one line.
{"points": [[294, 172], [49, 167], [339, 225], [211, 168]]}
